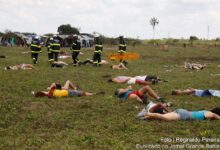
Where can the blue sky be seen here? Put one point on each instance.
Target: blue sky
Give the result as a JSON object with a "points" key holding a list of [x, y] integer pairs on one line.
{"points": [[178, 18]]}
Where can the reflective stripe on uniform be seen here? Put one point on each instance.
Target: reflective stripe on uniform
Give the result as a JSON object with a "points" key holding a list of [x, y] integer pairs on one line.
{"points": [[123, 45], [122, 51], [75, 50], [34, 45], [55, 44], [36, 51], [57, 51], [99, 45]]}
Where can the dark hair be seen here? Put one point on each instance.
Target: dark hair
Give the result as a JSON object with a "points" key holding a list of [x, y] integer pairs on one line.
{"points": [[159, 110], [116, 92], [174, 92], [216, 110], [58, 86], [111, 66], [40, 94], [110, 80], [119, 95], [8, 68]]}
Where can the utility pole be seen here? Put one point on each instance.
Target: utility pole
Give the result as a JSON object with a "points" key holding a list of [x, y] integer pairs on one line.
{"points": [[208, 33]]}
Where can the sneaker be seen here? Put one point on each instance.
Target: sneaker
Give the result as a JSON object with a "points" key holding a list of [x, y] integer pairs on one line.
{"points": [[169, 104], [141, 114]]}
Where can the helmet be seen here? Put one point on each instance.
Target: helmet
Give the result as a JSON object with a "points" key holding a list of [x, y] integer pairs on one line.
{"points": [[37, 37], [51, 39]]}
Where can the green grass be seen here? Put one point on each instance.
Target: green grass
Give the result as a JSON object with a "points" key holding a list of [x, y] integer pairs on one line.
{"points": [[101, 122]]}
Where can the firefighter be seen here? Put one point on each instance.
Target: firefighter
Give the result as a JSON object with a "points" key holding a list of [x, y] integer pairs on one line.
{"points": [[97, 52], [55, 48], [76, 46], [35, 49], [122, 48], [49, 50]]}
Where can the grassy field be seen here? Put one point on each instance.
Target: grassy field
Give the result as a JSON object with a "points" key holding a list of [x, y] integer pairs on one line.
{"points": [[101, 122]]}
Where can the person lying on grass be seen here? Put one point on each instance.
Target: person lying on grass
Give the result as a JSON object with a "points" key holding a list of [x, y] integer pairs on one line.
{"points": [[120, 66], [183, 114], [196, 92], [90, 61], [20, 67], [68, 90], [142, 80], [139, 95], [161, 108], [58, 64], [67, 86], [193, 66]]}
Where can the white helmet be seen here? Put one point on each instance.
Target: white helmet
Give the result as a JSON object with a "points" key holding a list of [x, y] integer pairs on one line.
{"points": [[37, 37]]}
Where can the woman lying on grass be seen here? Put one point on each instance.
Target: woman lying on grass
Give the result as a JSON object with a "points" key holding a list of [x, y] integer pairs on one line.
{"points": [[20, 67], [138, 95], [68, 90], [142, 80], [183, 114], [196, 92]]}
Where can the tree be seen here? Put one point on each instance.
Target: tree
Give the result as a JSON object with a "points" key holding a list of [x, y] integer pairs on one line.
{"points": [[192, 39], [153, 22], [67, 29]]}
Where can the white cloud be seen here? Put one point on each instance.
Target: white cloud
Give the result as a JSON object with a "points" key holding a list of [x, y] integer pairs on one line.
{"points": [[181, 18]]}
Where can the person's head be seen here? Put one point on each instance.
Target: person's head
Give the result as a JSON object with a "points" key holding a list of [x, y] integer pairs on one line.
{"points": [[175, 92], [40, 94], [111, 66], [110, 80], [159, 110], [216, 111], [119, 94], [7, 68]]}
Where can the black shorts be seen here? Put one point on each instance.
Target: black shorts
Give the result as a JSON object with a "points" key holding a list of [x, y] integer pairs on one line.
{"points": [[150, 78]]}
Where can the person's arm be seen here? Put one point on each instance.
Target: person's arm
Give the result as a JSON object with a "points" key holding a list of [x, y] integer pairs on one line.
{"points": [[125, 90], [132, 96], [210, 115], [53, 85], [164, 107]]}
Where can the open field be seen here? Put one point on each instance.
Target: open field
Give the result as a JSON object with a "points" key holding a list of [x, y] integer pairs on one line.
{"points": [[101, 122]]}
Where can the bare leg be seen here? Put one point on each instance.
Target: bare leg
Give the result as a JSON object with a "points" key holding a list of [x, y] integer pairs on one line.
{"points": [[188, 91], [167, 117], [147, 89], [87, 94], [69, 85], [141, 82]]}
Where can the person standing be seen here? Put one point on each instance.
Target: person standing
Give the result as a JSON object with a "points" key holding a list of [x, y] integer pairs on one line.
{"points": [[49, 50], [98, 52], [55, 48], [35, 49], [76, 46], [122, 49]]}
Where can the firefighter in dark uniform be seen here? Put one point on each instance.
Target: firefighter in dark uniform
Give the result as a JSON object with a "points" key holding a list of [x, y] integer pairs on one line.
{"points": [[97, 52], [76, 46], [55, 48], [49, 50], [35, 49], [122, 48]]}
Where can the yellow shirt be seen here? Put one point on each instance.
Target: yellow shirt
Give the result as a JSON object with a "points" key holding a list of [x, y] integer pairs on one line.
{"points": [[60, 93]]}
